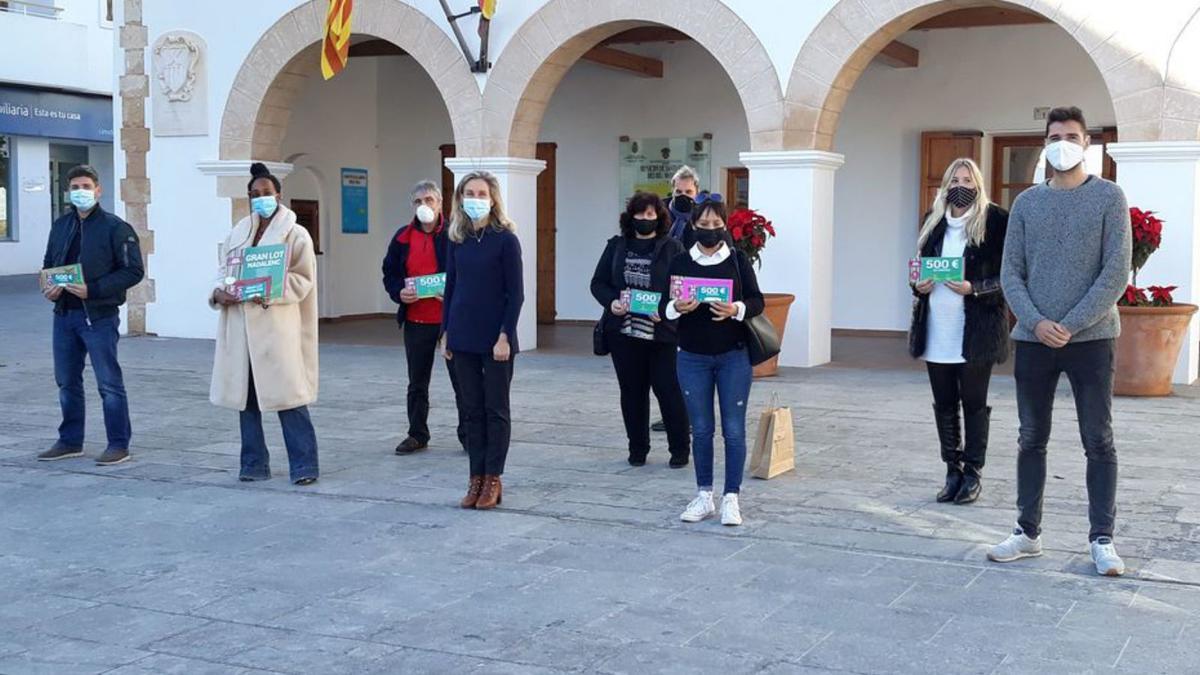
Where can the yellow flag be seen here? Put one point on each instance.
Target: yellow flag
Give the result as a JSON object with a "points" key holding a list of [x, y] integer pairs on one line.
{"points": [[335, 50]]}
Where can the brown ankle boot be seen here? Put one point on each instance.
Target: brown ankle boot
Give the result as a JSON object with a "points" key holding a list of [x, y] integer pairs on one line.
{"points": [[492, 493], [473, 490]]}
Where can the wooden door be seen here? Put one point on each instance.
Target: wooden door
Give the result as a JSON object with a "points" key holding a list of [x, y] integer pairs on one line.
{"points": [[737, 187], [447, 179], [546, 225], [1015, 163], [308, 215], [547, 235], [938, 150]]}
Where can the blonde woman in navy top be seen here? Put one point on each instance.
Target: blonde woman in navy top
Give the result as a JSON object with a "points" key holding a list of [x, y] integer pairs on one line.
{"points": [[484, 293]]}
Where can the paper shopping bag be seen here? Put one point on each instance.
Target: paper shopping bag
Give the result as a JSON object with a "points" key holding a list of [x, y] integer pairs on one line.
{"points": [[775, 446]]}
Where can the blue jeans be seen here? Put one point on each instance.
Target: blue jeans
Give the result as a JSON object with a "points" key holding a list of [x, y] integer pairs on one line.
{"points": [[730, 375], [298, 436], [76, 338]]}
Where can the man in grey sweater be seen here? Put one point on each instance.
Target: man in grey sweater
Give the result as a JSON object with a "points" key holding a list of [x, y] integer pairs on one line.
{"points": [[1066, 263]]}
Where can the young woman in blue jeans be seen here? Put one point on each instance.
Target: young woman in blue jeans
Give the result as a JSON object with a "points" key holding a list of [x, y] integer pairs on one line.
{"points": [[712, 356]]}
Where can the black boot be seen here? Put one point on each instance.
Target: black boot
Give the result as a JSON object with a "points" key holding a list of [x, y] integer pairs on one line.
{"points": [[976, 425], [950, 438]]}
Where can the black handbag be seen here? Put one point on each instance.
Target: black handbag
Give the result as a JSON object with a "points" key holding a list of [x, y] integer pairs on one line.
{"points": [[600, 340], [762, 340]]}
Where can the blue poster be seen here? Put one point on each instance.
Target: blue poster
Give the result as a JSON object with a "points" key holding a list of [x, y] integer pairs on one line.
{"points": [[49, 114], [354, 201]]}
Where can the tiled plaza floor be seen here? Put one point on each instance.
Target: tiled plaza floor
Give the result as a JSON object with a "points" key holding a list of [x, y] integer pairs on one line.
{"points": [[166, 564]]}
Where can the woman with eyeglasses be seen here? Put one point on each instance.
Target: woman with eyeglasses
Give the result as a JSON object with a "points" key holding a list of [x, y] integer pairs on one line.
{"points": [[712, 353], [641, 344], [960, 328]]}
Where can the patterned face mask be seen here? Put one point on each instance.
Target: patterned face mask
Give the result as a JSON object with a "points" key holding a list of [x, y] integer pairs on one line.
{"points": [[961, 196]]}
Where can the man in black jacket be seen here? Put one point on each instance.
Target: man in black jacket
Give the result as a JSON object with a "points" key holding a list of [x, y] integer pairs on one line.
{"points": [[87, 315], [419, 249]]}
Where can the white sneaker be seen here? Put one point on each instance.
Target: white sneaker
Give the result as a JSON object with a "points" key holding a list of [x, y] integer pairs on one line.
{"points": [[701, 507], [731, 513], [1104, 554], [1017, 546]]}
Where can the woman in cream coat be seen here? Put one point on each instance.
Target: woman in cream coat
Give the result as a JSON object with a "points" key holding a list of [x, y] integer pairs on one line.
{"points": [[266, 356]]}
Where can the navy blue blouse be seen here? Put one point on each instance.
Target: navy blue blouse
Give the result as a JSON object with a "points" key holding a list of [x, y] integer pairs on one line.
{"points": [[484, 292]]}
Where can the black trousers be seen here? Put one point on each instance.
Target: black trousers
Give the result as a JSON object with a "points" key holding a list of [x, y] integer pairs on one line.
{"points": [[484, 383], [957, 384], [965, 385], [420, 349], [642, 366], [1089, 368]]}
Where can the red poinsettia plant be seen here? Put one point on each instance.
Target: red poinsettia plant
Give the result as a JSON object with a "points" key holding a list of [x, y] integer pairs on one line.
{"points": [[1147, 237], [750, 231]]}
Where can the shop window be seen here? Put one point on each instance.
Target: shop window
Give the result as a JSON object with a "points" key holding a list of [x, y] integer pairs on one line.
{"points": [[7, 178]]}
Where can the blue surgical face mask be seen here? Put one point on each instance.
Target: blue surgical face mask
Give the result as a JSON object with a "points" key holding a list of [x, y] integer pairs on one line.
{"points": [[476, 208], [264, 206], [83, 200]]}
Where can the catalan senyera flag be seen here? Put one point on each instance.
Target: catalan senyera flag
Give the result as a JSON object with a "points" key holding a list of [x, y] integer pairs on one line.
{"points": [[335, 50], [488, 8]]}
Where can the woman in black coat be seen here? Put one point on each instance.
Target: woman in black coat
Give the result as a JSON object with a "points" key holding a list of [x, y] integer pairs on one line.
{"points": [[642, 345], [961, 328]]}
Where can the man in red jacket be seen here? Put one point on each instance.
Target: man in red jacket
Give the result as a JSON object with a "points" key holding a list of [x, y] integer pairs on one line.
{"points": [[419, 250]]}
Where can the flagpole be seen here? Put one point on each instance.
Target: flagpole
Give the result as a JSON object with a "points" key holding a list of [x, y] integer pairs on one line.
{"points": [[462, 42]]}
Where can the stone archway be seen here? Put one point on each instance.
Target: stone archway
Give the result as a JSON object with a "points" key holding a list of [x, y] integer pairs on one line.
{"points": [[1181, 86], [272, 76], [1129, 54], [546, 46]]}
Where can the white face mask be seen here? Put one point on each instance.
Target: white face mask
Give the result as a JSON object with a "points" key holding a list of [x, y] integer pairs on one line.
{"points": [[1064, 155], [425, 214]]}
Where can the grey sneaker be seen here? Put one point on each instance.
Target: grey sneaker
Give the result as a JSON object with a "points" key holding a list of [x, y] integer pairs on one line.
{"points": [[60, 451], [1017, 546], [1104, 554], [112, 456]]}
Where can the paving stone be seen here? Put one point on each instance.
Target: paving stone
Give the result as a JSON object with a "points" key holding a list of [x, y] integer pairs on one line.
{"points": [[844, 565], [124, 626]]}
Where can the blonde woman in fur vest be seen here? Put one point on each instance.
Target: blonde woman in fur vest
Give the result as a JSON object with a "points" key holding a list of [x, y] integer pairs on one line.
{"points": [[960, 328], [266, 355]]}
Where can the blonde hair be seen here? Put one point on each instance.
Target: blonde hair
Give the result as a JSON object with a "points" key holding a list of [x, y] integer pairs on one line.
{"points": [[461, 224], [976, 227]]}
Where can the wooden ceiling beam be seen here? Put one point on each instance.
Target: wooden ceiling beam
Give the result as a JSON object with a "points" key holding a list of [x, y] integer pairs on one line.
{"points": [[642, 66], [975, 17], [646, 34], [899, 55], [375, 48]]}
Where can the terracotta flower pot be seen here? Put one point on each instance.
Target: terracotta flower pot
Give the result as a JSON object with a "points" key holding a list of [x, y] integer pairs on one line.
{"points": [[777, 305], [1149, 348]]}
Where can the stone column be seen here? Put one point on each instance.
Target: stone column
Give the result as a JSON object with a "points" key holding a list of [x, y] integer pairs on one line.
{"points": [[134, 86], [1164, 177], [794, 189], [518, 187]]}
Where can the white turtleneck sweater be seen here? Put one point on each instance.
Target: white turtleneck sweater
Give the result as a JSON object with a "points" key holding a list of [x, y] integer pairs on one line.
{"points": [[944, 339]]}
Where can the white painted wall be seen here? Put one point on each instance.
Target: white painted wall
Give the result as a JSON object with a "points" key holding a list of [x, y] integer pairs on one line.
{"points": [[694, 96], [71, 52], [881, 154], [397, 125], [988, 79]]}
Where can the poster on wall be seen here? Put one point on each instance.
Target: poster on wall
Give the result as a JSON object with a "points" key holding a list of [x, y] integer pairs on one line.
{"points": [[354, 201], [647, 164]]}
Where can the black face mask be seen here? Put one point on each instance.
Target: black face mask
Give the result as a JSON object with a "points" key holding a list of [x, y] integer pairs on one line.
{"points": [[643, 226], [682, 204], [710, 238], [961, 196]]}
